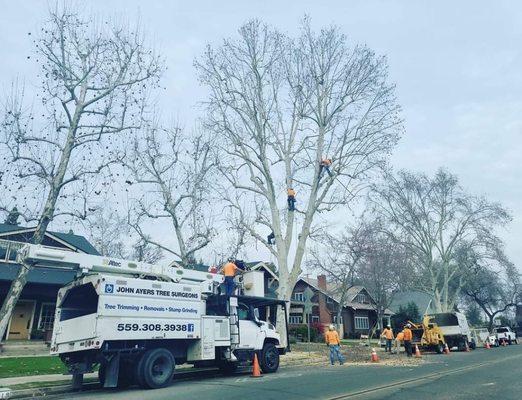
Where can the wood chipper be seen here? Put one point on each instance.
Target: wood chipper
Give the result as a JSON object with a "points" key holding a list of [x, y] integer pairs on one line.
{"points": [[428, 335]]}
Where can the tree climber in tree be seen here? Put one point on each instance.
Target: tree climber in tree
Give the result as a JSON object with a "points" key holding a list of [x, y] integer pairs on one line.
{"points": [[271, 238], [325, 165], [291, 199]]}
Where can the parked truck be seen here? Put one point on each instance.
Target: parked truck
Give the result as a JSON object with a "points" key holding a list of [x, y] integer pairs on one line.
{"points": [[136, 321], [505, 335], [455, 328]]}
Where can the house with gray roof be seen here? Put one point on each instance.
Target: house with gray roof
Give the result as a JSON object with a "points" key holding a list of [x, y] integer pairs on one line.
{"points": [[33, 316]]}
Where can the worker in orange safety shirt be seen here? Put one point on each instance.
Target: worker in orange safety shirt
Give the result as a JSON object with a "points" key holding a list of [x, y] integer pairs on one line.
{"points": [[408, 336], [387, 333], [398, 341], [229, 270], [325, 165], [291, 199], [331, 338]]}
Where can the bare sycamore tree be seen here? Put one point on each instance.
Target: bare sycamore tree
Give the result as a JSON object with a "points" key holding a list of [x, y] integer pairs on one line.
{"points": [[175, 169], [437, 222], [280, 106], [383, 270], [106, 230], [93, 91], [339, 257], [142, 250], [493, 288]]}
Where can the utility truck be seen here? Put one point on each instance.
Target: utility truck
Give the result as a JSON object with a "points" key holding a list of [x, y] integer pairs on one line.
{"points": [[455, 328], [136, 321]]}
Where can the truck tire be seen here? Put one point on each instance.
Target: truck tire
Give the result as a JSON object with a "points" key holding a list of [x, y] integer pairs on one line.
{"points": [[439, 348], [269, 358], [155, 369]]}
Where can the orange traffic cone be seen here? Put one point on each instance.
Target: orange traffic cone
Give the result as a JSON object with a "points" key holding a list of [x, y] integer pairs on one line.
{"points": [[504, 343], [375, 357], [467, 347], [486, 345], [256, 372], [446, 349], [417, 352]]}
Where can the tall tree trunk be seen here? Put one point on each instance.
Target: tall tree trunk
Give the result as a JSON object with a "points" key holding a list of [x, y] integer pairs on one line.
{"points": [[17, 285]]}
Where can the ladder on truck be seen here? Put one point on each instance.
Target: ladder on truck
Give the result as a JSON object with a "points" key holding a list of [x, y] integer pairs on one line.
{"points": [[38, 255], [234, 325]]}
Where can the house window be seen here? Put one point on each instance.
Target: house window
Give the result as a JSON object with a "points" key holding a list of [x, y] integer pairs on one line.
{"points": [[295, 319], [315, 318], [329, 300], [362, 323], [361, 298], [335, 319], [299, 296], [46, 320]]}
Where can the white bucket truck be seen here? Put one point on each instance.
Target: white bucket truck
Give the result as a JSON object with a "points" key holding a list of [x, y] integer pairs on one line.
{"points": [[137, 320]]}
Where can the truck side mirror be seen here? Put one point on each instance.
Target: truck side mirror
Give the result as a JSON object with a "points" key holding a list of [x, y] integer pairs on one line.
{"points": [[254, 312]]}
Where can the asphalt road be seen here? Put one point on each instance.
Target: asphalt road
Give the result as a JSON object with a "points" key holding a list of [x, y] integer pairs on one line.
{"points": [[481, 374]]}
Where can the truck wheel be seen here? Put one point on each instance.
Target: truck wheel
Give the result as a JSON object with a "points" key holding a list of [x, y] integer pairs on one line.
{"points": [[439, 348], [269, 360], [509, 342], [473, 345], [155, 369]]}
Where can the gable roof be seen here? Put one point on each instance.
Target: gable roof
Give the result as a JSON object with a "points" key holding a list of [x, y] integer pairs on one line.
{"points": [[76, 241], [352, 293]]}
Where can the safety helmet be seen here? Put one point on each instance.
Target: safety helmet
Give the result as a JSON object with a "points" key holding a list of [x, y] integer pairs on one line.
{"points": [[231, 259], [331, 327]]}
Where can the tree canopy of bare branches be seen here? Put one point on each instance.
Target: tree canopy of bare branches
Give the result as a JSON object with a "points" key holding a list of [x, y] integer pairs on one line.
{"points": [[493, 288], [93, 89], [339, 257], [175, 170], [443, 228], [280, 106]]}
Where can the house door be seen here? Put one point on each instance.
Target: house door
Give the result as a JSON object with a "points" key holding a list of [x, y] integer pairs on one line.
{"points": [[20, 327]]}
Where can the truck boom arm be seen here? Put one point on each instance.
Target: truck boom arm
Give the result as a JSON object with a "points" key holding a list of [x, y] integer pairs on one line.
{"points": [[31, 254]]}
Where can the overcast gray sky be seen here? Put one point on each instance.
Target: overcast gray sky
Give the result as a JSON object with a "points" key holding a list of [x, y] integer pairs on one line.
{"points": [[457, 66]]}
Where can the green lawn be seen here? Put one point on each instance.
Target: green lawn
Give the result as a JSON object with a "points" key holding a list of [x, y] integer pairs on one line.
{"points": [[25, 366]]}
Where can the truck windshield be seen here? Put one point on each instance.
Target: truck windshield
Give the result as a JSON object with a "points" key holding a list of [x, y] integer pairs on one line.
{"points": [[502, 330]]}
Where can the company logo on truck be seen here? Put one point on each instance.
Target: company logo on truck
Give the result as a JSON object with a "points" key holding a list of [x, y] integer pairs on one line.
{"points": [[109, 288], [111, 263]]}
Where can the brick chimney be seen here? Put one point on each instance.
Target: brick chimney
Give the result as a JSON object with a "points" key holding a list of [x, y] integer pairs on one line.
{"points": [[321, 282], [324, 315]]}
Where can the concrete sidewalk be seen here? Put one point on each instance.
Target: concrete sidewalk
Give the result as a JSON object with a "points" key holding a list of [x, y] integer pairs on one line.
{"points": [[19, 380]]}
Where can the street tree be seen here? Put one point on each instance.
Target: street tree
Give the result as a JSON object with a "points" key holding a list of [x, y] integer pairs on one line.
{"points": [[175, 169], [384, 268], [439, 225], [339, 257], [107, 230], [93, 90], [493, 291], [315, 114]]}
